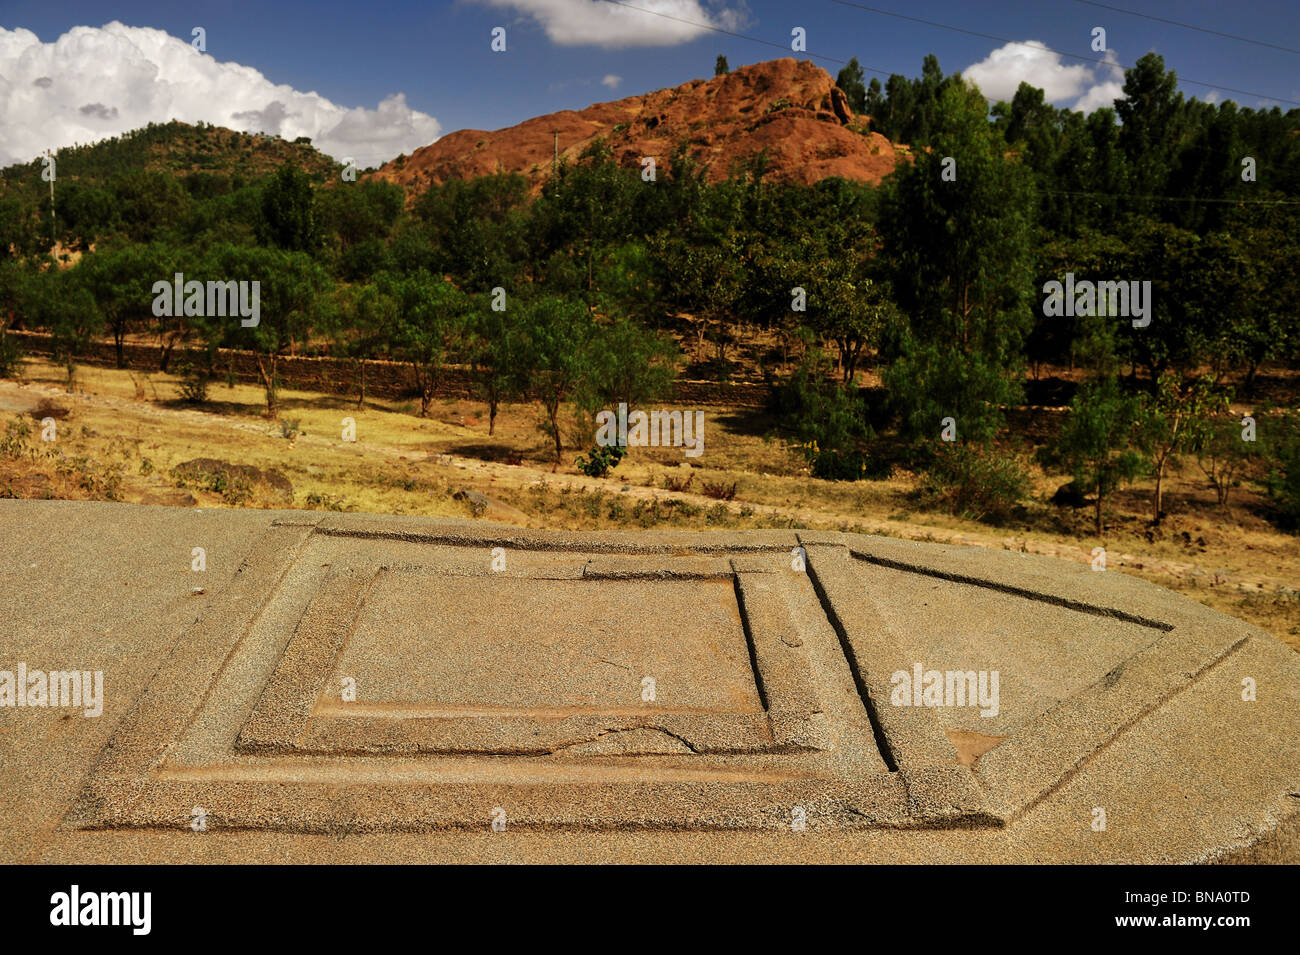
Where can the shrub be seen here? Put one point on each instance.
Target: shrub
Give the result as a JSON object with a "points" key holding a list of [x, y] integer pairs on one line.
{"points": [[975, 482], [194, 384], [235, 489], [1221, 453], [13, 443], [830, 422], [720, 491], [601, 460], [678, 483], [1284, 475], [931, 381], [102, 481], [10, 356], [326, 502]]}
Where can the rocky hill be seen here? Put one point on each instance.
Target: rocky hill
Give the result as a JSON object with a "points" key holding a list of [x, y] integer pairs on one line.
{"points": [[790, 109]]}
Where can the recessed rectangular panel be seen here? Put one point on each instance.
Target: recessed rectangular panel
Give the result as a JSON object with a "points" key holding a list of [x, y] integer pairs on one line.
{"points": [[437, 658], [632, 688], [434, 643]]}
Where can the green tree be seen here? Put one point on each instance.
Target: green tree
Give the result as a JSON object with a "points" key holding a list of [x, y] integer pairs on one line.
{"points": [[1222, 453], [1167, 424], [582, 215], [431, 320], [14, 285], [61, 303], [357, 219], [122, 280], [475, 228], [1150, 114], [1283, 479], [149, 203], [874, 103], [1255, 264], [720, 67], [558, 331], [293, 303], [852, 82], [289, 211], [1183, 310], [86, 212], [369, 329], [1097, 442], [16, 281], [500, 356], [712, 281], [847, 305], [19, 232], [961, 268], [829, 421], [624, 363]]}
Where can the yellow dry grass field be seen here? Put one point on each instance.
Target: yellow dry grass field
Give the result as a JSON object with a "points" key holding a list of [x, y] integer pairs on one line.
{"points": [[119, 436]]}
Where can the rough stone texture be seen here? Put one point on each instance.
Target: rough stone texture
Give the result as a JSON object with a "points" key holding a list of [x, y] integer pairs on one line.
{"points": [[772, 734], [790, 109]]}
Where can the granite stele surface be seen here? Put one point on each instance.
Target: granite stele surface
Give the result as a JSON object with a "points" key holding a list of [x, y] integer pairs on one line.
{"points": [[301, 686]]}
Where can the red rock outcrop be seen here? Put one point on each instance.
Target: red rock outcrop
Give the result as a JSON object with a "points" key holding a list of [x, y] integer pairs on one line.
{"points": [[789, 108]]}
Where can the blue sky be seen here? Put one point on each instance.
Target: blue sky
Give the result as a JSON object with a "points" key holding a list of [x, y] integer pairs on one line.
{"points": [[559, 56]]}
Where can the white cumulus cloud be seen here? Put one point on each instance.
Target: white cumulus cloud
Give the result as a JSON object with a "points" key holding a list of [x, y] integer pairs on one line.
{"points": [[612, 25], [96, 82], [1000, 74], [611, 80], [1103, 94]]}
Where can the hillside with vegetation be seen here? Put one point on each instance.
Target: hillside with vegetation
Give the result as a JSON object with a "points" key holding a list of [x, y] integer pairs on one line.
{"points": [[131, 185], [900, 325]]}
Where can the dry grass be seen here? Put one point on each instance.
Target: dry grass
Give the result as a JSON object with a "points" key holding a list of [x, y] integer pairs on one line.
{"points": [[112, 445]]}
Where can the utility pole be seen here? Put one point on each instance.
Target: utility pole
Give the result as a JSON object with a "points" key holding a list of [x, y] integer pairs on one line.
{"points": [[52, 226]]}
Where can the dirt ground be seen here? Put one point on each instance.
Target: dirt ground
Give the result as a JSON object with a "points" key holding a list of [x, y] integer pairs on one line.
{"points": [[119, 438]]}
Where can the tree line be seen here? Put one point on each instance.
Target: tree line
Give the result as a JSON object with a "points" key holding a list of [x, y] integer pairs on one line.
{"points": [[578, 296]]}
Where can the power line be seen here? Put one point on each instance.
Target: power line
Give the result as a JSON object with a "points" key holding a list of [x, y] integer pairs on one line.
{"points": [[1187, 26], [739, 36], [1043, 48], [1111, 195]]}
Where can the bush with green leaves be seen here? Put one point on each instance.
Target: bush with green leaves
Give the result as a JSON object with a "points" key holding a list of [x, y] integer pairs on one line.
{"points": [[11, 356], [194, 383], [1223, 453], [13, 443], [600, 461], [1167, 424], [977, 482], [1097, 443], [1283, 480], [624, 363], [830, 423], [928, 382]]}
